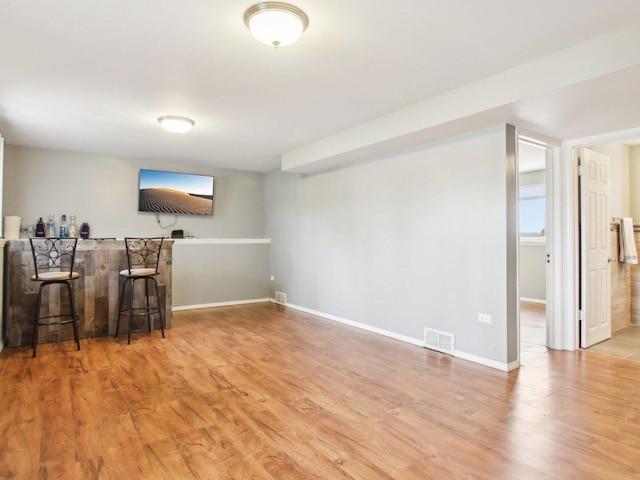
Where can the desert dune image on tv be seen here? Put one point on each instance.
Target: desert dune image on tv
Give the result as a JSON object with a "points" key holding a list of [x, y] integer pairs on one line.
{"points": [[178, 193]]}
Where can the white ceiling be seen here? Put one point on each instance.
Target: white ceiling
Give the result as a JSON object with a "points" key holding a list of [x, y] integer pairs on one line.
{"points": [[94, 76]]}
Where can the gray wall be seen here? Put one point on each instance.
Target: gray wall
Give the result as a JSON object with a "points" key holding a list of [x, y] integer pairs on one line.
{"points": [[419, 238], [414, 239], [533, 271], [205, 274], [103, 191]]}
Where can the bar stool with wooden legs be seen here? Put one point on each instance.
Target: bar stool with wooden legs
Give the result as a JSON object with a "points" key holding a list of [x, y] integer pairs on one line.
{"points": [[143, 257], [53, 259]]}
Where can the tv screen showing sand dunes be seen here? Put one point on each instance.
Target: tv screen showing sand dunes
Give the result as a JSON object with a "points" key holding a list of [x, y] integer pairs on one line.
{"points": [[178, 193]]}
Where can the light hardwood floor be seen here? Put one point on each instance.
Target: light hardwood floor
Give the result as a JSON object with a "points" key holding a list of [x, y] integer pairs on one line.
{"points": [[533, 331], [260, 391], [624, 343]]}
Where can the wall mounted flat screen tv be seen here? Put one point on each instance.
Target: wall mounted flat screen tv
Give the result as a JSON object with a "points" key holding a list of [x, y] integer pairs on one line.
{"points": [[177, 193]]}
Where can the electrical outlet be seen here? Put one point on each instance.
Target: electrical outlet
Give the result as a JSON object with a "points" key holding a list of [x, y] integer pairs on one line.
{"points": [[273, 277], [484, 318]]}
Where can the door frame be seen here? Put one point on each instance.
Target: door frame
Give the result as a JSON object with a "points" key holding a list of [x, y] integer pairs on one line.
{"points": [[552, 156], [566, 270]]}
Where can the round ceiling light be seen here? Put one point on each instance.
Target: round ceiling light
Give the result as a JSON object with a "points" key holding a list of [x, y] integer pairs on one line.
{"points": [[176, 124], [276, 24]]}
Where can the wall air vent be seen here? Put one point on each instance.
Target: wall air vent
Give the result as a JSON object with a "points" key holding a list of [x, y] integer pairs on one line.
{"points": [[438, 340], [281, 298]]}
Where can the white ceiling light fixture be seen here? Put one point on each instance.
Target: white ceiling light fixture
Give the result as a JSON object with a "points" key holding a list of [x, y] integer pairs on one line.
{"points": [[176, 124], [276, 24]]}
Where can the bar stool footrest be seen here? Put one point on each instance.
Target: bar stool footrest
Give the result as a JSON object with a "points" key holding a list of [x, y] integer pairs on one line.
{"points": [[71, 319]]}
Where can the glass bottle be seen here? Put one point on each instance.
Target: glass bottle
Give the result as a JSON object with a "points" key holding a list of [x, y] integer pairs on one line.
{"points": [[84, 230], [41, 230], [51, 225], [63, 227], [73, 227]]}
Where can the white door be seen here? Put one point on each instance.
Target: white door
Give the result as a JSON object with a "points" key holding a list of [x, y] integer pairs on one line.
{"points": [[595, 302]]}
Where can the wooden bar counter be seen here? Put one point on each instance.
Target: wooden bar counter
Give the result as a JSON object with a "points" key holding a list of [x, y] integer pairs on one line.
{"points": [[99, 263]]}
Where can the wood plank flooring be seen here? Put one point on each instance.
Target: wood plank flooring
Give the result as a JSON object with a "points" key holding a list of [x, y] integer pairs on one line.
{"points": [[263, 392], [533, 331], [624, 342]]}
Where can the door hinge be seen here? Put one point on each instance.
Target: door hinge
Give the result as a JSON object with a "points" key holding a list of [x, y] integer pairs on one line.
{"points": [[581, 315], [580, 170]]}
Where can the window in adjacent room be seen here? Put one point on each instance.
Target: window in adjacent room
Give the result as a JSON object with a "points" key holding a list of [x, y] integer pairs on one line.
{"points": [[532, 202]]}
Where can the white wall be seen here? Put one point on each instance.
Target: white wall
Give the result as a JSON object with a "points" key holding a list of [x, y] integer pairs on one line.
{"points": [[532, 255], [524, 88], [103, 191], [414, 239]]}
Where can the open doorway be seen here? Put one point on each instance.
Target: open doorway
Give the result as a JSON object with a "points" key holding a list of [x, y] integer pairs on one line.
{"points": [[623, 338], [533, 257], [565, 265]]}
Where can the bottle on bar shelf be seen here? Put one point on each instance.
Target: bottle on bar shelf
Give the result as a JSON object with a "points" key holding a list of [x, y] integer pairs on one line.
{"points": [[64, 232], [73, 227], [51, 225], [40, 229], [84, 230]]}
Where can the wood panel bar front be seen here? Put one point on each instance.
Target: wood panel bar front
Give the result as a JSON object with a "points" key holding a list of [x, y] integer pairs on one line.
{"points": [[99, 263]]}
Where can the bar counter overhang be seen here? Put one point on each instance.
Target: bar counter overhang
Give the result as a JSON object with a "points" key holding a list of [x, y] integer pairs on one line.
{"points": [[99, 263]]}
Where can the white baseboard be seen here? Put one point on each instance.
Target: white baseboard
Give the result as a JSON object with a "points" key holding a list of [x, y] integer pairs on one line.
{"points": [[220, 304], [403, 338], [532, 300], [505, 367], [362, 326]]}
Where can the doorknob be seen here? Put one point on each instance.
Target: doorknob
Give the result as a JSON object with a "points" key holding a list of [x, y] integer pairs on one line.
{"points": [[611, 259]]}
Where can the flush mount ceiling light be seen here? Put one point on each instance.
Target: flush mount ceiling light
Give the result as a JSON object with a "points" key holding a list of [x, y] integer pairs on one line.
{"points": [[176, 124], [276, 24]]}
